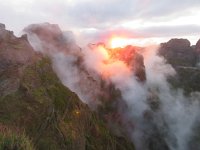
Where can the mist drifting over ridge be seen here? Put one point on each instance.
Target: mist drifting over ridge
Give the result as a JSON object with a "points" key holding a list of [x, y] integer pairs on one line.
{"points": [[149, 110]]}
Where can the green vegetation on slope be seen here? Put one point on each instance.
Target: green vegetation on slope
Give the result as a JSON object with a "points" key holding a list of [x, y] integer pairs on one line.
{"points": [[52, 116], [11, 140]]}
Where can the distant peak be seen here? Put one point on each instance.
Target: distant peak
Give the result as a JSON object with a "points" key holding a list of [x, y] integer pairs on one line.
{"points": [[2, 26]]}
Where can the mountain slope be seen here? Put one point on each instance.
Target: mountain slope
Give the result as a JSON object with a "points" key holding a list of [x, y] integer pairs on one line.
{"points": [[34, 101]]}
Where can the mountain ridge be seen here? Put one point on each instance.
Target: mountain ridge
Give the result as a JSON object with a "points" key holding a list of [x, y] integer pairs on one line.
{"points": [[34, 100]]}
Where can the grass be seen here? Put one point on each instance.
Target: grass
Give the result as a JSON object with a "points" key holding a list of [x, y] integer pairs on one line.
{"points": [[10, 140], [53, 116]]}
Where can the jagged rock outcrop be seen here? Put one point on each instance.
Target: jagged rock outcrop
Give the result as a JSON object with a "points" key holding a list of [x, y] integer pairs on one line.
{"points": [[136, 61], [15, 54], [197, 47], [51, 37], [197, 50], [2, 26], [184, 58], [132, 58], [178, 52]]}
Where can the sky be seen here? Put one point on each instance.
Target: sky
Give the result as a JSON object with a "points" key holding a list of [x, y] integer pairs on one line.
{"points": [[141, 21]]}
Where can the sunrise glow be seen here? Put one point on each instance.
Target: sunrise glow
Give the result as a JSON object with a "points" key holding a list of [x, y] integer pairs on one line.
{"points": [[118, 42]]}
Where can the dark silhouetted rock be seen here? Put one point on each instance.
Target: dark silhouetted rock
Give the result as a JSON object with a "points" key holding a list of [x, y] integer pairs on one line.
{"points": [[184, 58], [2, 26], [130, 56], [197, 47], [14, 53], [178, 43], [51, 34], [178, 52], [197, 50]]}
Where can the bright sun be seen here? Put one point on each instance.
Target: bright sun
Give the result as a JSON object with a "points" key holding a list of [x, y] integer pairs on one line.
{"points": [[118, 42]]}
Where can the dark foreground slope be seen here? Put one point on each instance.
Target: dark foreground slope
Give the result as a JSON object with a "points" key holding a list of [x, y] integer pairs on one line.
{"points": [[34, 104]]}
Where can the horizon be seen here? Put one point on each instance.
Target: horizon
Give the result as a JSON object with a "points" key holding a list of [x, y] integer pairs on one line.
{"points": [[141, 42], [151, 21]]}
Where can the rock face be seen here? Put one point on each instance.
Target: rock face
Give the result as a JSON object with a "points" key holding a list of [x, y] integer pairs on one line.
{"points": [[15, 53], [2, 26], [184, 58], [178, 52], [197, 50], [50, 34], [197, 47], [34, 102], [130, 56]]}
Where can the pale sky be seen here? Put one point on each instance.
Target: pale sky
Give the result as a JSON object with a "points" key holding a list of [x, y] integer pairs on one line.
{"points": [[144, 21]]}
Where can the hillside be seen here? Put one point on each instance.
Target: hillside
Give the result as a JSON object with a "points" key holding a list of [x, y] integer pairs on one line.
{"points": [[34, 103], [123, 98]]}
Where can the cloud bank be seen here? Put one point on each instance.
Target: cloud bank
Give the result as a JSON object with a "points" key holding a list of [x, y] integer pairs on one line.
{"points": [[143, 18]]}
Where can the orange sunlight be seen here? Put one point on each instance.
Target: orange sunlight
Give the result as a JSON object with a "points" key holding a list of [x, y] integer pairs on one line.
{"points": [[109, 63], [116, 42]]}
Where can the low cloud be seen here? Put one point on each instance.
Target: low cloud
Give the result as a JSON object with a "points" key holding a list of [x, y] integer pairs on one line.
{"points": [[102, 35]]}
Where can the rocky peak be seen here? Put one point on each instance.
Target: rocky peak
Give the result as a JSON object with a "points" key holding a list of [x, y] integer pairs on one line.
{"points": [[48, 33], [51, 36], [130, 56], [2, 26], [13, 49], [15, 54], [184, 58], [197, 47], [178, 43], [178, 52], [5, 34]]}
